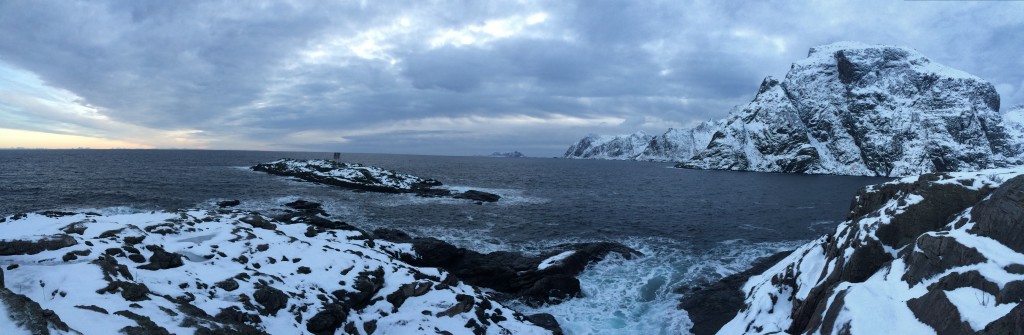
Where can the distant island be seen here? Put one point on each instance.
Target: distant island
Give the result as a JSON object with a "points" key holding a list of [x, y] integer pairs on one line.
{"points": [[512, 154]]}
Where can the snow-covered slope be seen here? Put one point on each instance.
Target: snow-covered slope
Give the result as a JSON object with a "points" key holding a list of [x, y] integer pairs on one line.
{"points": [[1014, 122], [228, 272], [851, 109], [675, 144], [621, 147], [935, 254]]}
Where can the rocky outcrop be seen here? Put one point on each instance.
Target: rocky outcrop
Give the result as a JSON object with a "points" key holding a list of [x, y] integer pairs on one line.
{"points": [[849, 109], [546, 278], [366, 178], [215, 272], [939, 253], [712, 306]]}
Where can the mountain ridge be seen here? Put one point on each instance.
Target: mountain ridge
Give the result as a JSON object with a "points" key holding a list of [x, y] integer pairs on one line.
{"points": [[849, 109]]}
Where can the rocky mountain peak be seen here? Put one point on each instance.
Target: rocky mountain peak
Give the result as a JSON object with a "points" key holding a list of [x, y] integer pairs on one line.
{"points": [[854, 109]]}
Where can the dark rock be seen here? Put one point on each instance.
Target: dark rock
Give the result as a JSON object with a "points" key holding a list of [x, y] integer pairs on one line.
{"points": [[971, 278], [304, 270], [407, 291], [370, 326], [937, 254], [1012, 292], [133, 240], [228, 284], [546, 321], [1017, 269], [307, 206], [464, 303], [12, 266], [262, 247], [114, 252], [56, 214], [134, 292], [257, 221], [477, 196], [508, 272], [30, 315], [93, 308], [228, 203], [328, 320], [366, 285], [137, 258], [936, 311], [1011, 323], [234, 315], [271, 299], [161, 259], [1001, 217], [32, 247], [711, 307], [145, 326], [553, 289]]}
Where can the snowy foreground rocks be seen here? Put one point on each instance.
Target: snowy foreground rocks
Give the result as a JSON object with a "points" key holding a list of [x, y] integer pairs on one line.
{"points": [[286, 271], [934, 254], [366, 178], [848, 109]]}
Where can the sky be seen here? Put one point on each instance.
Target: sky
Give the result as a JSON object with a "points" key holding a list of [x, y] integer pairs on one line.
{"points": [[437, 77]]}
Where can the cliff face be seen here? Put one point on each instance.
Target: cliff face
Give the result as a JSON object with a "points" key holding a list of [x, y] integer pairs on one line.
{"points": [[852, 109], [939, 253]]}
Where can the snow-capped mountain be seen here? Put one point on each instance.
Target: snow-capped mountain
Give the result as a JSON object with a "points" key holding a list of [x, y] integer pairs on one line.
{"points": [[939, 253], [853, 109], [622, 147]]}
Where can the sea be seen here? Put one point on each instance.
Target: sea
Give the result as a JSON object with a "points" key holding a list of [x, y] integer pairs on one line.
{"points": [[693, 226]]}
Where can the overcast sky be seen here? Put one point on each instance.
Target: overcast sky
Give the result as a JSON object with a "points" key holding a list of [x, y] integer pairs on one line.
{"points": [[437, 77]]}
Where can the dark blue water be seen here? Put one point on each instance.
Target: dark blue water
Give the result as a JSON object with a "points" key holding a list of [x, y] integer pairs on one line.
{"points": [[694, 225]]}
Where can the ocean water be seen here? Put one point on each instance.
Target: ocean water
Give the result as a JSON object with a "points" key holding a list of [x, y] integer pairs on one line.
{"points": [[693, 226]]}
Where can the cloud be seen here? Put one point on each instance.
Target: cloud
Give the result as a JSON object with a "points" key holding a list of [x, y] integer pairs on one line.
{"points": [[438, 77]]}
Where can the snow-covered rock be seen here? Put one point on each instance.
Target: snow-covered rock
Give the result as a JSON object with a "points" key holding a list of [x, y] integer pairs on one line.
{"points": [[228, 272], [850, 109], [358, 176], [622, 147], [367, 178], [935, 254]]}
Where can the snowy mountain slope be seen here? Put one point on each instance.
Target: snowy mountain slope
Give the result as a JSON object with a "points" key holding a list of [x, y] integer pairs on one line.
{"points": [[677, 143], [852, 109], [939, 253], [229, 272], [621, 147]]}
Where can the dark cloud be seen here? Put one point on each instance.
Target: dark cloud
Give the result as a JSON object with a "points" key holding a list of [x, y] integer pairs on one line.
{"points": [[455, 77]]}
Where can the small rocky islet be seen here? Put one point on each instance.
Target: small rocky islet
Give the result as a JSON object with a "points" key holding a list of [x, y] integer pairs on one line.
{"points": [[367, 178]]}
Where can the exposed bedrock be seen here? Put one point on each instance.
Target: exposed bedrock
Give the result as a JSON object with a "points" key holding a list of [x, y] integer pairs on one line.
{"points": [[512, 273]]}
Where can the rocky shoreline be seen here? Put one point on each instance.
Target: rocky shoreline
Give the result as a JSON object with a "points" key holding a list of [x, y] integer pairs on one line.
{"points": [[939, 253], [367, 178], [288, 270]]}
